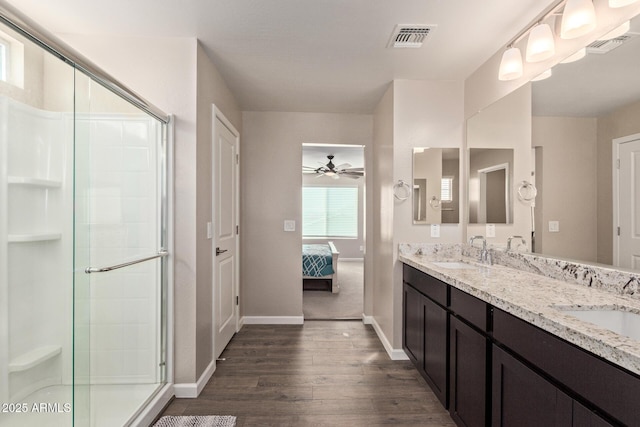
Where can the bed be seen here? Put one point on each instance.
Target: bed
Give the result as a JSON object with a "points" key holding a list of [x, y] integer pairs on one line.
{"points": [[320, 267]]}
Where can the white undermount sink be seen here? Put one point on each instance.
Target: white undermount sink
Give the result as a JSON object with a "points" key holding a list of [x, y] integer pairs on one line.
{"points": [[618, 320], [454, 265]]}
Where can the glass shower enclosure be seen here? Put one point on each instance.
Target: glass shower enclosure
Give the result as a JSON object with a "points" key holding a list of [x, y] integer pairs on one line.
{"points": [[83, 241]]}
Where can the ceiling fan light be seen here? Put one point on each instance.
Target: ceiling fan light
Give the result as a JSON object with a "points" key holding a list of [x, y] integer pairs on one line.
{"points": [[620, 3], [575, 56], [541, 44], [544, 75], [578, 19], [617, 32], [511, 65]]}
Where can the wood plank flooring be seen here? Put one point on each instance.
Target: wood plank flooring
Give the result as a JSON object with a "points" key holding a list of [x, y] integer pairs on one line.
{"points": [[322, 373]]}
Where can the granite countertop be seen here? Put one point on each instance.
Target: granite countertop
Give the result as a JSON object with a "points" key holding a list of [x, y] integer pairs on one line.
{"points": [[532, 297]]}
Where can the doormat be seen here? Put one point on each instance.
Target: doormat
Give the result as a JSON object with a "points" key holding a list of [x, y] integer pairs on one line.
{"points": [[196, 421]]}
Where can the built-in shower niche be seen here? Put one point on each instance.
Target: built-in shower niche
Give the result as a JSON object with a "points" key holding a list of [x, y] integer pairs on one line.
{"points": [[36, 236]]}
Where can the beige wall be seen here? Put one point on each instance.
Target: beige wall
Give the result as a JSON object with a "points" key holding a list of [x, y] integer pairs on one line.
{"points": [[410, 114], [271, 182], [568, 186], [507, 124], [211, 89], [383, 206]]}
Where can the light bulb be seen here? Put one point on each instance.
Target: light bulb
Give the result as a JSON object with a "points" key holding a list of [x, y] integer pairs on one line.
{"points": [[617, 32], [544, 75], [575, 57], [578, 19], [541, 44], [511, 65], [621, 3]]}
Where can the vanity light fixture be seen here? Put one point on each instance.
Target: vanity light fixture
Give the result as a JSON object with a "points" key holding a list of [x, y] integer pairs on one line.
{"points": [[578, 19], [541, 44], [617, 32], [510, 65], [575, 57], [620, 3], [545, 75]]}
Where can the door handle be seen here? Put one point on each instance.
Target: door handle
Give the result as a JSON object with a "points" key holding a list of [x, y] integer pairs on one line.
{"points": [[218, 251]]}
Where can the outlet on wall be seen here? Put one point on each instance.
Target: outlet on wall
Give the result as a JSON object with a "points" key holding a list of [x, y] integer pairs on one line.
{"points": [[554, 226], [289, 225], [491, 230], [435, 230]]}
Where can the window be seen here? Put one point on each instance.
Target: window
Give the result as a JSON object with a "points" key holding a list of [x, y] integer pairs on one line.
{"points": [[330, 212], [3, 60], [11, 60], [446, 189]]}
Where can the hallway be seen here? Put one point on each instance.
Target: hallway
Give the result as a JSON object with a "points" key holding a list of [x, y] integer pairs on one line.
{"points": [[321, 373]]}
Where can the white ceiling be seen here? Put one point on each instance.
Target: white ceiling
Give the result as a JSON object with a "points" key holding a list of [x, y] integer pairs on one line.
{"points": [[307, 55]]}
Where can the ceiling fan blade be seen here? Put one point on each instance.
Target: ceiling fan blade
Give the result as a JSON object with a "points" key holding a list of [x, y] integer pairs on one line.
{"points": [[343, 166], [309, 167], [355, 169]]}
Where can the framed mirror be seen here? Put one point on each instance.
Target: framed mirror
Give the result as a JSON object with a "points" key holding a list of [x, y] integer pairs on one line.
{"points": [[578, 113], [436, 185], [490, 186]]}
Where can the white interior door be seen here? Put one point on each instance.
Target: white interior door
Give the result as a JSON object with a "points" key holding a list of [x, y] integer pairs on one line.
{"points": [[628, 204], [225, 197]]}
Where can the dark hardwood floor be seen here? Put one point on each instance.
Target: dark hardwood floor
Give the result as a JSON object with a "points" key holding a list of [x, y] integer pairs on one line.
{"points": [[322, 373]]}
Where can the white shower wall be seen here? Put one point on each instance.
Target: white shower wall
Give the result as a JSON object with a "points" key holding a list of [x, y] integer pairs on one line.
{"points": [[35, 249], [119, 210]]}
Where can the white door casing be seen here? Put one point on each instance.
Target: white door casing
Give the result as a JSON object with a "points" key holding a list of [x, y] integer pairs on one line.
{"points": [[626, 202], [225, 231]]}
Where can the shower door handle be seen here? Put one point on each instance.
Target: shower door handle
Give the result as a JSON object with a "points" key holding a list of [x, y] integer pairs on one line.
{"points": [[90, 270], [219, 251]]}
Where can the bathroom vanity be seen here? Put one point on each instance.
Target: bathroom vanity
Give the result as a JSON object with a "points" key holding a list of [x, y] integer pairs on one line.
{"points": [[503, 346]]}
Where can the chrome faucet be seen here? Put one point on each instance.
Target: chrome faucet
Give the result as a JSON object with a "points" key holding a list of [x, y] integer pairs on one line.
{"points": [[485, 255], [524, 242]]}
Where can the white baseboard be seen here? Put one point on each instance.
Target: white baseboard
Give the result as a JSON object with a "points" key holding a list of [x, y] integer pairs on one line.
{"points": [[273, 320], [351, 259], [192, 390], [394, 353]]}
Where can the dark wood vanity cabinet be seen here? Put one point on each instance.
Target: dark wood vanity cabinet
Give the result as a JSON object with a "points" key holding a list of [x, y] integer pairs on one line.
{"points": [[468, 375], [425, 329], [490, 368]]}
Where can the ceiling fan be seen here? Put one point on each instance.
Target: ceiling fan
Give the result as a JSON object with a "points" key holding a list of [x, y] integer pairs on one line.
{"points": [[334, 171]]}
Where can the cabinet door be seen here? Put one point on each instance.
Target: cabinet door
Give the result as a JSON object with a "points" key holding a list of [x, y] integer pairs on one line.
{"points": [[468, 355], [435, 349], [413, 326], [522, 398], [583, 417]]}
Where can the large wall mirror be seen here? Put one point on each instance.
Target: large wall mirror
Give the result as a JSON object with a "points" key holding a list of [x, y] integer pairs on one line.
{"points": [[577, 113], [490, 185], [436, 184]]}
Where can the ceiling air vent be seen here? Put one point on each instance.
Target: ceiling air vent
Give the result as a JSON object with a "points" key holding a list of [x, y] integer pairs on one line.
{"points": [[604, 46], [410, 35]]}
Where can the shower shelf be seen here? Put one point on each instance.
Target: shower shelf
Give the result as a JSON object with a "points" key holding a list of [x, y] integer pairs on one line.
{"points": [[34, 237], [34, 358], [36, 182]]}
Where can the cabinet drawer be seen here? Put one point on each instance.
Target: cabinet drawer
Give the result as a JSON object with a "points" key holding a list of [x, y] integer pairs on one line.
{"points": [[427, 285], [607, 386], [470, 308]]}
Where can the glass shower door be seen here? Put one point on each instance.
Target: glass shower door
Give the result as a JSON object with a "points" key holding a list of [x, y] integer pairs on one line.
{"points": [[119, 256]]}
